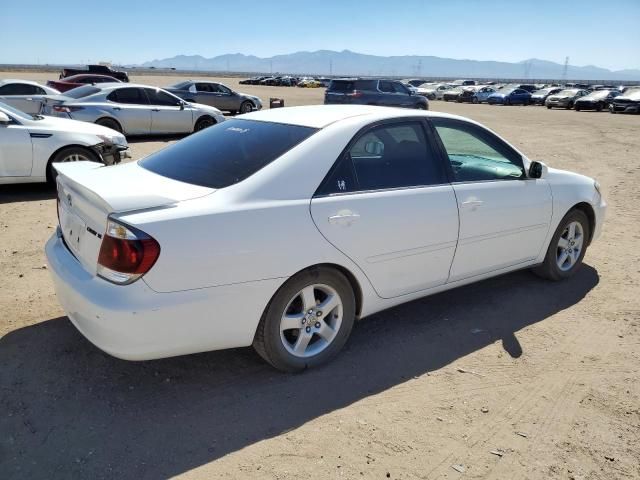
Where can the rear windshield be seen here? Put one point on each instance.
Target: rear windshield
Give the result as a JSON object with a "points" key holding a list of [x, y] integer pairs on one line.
{"points": [[81, 92], [351, 85], [226, 153]]}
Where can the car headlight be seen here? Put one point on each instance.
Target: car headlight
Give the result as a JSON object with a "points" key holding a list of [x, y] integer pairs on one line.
{"points": [[118, 139]]}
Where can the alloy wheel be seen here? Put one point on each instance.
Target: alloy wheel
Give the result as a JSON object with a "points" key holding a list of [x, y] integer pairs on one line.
{"points": [[570, 246], [311, 320]]}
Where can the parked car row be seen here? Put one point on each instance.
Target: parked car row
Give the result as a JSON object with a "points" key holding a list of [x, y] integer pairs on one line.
{"points": [[287, 81], [569, 96]]}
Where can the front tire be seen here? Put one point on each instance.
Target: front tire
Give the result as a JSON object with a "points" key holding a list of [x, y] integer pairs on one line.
{"points": [[308, 320], [567, 247], [246, 107], [69, 154], [202, 123]]}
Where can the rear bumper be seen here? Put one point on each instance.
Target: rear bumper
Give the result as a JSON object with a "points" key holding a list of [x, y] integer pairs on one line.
{"points": [[134, 322]]}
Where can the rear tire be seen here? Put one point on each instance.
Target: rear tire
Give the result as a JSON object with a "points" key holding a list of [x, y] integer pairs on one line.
{"points": [[69, 154], [549, 107], [109, 123], [567, 247], [298, 305], [475, 100], [599, 107]]}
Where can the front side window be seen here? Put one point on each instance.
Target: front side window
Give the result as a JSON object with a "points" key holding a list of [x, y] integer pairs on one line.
{"points": [[226, 153], [476, 154], [386, 86], [388, 156], [158, 97]]}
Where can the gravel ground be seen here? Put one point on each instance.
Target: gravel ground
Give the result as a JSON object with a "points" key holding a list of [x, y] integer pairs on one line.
{"points": [[544, 375]]}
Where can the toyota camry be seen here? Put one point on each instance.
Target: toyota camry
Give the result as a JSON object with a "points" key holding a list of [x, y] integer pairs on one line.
{"points": [[280, 228]]}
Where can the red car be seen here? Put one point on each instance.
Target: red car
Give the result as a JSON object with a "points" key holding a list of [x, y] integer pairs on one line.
{"points": [[74, 81]]}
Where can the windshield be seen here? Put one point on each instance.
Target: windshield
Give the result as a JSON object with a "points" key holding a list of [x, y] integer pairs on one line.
{"points": [[600, 94], [569, 93], [226, 153], [14, 112], [80, 92], [181, 85]]}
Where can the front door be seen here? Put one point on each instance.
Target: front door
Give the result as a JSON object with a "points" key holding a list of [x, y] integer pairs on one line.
{"points": [[168, 113], [504, 215], [386, 205], [16, 151]]}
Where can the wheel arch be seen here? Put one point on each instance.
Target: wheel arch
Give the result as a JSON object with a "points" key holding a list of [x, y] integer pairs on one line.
{"points": [[205, 116], [587, 209], [351, 278], [108, 117], [72, 145]]}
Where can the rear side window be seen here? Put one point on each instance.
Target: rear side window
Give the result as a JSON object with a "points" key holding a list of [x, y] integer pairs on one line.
{"points": [[351, 85], [18, 89], [134, 96], [226, 153], [396, 155]]}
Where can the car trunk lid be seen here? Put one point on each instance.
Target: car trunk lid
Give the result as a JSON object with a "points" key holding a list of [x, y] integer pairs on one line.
{"points": [[89, 192]]}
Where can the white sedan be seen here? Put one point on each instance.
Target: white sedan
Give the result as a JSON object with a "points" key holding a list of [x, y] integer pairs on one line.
{"points": [[31, 144], [279, 228], [25, 95]]}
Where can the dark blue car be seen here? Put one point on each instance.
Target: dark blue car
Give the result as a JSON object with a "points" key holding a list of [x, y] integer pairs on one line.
{"points": [[513, 96]]}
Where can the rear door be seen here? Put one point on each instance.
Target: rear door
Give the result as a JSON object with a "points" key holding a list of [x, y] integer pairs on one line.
{"points": [[16, 152], [387, 205], [504, 215], [130, 107], [168, 114]]}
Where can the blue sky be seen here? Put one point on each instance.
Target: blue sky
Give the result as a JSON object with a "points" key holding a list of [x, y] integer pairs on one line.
{"points": [[605, 33]]}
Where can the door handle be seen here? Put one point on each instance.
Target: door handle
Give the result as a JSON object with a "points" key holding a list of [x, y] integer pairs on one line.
{"points": [[344, 218], [155, 109], [117, 108], [472, 203]]}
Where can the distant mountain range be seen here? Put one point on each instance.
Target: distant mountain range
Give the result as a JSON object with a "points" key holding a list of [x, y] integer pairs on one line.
{"points": [[328, 62]]}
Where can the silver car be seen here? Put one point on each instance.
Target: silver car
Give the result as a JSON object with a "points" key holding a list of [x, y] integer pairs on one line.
{"points": [[24, 95], [132, 109], [215, 94]]}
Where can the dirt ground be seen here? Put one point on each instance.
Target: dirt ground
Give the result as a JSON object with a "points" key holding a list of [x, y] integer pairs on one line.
{"points": [[544, 375]]}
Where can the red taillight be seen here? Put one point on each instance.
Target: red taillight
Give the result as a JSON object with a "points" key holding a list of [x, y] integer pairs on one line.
{"points": [[355, 94], [126, 253]]}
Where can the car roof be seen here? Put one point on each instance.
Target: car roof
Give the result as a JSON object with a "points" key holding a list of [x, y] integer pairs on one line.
{"points": [[114, 85], [15, 80], [320, 116]]}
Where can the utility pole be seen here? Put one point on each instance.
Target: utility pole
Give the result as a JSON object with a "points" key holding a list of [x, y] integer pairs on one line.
{"points": [[564, 70]]}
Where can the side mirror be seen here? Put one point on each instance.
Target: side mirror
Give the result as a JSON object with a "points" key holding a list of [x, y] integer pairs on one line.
{"points": [[181, 105], [4, 119], [374, 148], [537, 170]]}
